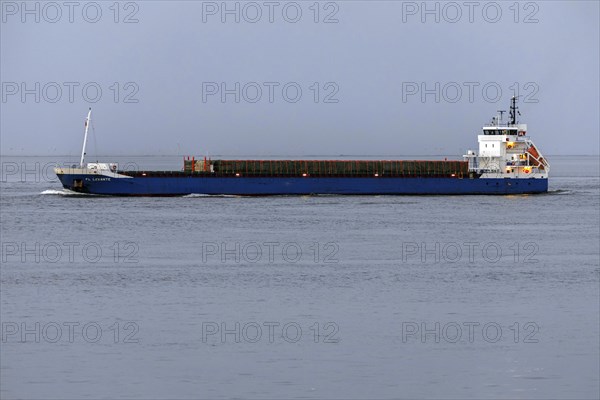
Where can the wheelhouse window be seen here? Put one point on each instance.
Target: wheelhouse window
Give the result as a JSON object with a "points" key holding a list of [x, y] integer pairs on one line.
{"points": [[500, 132]]}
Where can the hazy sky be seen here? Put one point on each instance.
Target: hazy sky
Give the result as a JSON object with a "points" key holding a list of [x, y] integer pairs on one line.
{"points": [[376, 77]]}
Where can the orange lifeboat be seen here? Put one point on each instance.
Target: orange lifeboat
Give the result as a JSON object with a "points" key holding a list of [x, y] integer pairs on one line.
{"points": [[535, 158]]}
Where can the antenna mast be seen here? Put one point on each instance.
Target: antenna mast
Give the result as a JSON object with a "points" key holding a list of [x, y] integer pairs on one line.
{"points": [[87, 126], [513, 110]]}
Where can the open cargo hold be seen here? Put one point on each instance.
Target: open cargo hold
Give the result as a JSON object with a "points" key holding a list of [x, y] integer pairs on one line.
{"points": [[381, 168]]}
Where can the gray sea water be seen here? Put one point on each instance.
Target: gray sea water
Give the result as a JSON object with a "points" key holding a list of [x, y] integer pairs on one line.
{"points": [[299, 297]]}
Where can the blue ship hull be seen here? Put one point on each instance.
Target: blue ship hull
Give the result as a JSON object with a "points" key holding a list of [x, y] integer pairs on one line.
{"points": [[264, 186]]}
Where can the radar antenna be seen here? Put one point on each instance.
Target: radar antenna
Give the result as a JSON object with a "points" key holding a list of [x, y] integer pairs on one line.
{"points": [[501, 118]]}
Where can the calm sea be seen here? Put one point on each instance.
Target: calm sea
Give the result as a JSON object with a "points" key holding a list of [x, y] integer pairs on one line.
{"points": [[299, 297]]}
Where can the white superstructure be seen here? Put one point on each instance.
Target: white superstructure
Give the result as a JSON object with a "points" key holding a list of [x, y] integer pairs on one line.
{"points": [[506, 151]]}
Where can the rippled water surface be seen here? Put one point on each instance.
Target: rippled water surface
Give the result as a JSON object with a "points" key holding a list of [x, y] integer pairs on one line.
{"points": [[299, 297]]}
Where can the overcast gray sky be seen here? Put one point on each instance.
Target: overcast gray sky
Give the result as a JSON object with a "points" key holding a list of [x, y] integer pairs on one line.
{"points": [[376, 77]]}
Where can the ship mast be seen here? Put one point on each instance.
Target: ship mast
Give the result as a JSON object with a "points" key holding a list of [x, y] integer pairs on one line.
{"points": [[513, 110], [87, 126]]}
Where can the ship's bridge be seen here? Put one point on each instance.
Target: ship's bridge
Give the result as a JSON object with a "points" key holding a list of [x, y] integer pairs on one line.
{"points": [[505, 150], [493, 130], [498, 140]]}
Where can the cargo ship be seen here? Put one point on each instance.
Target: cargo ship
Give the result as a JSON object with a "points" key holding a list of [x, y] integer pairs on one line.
{"points": [[507, 162]]}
